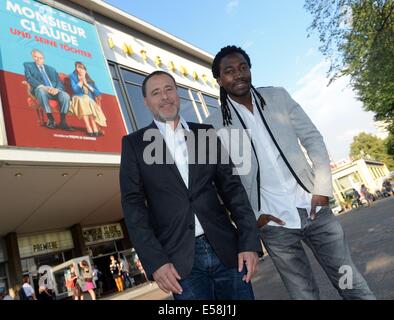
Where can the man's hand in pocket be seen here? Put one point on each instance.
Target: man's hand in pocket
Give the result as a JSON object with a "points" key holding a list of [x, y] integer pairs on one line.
{"points": [[265, 218]]}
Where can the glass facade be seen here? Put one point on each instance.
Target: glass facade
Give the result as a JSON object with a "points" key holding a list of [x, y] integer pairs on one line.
{"points": [[33, 263], [195, 105], [142, 114], [212, 103], [121, 97]]}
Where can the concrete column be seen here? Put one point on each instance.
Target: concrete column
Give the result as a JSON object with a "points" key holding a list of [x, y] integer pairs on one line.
{"points": [[79, 244], [13, 259]]}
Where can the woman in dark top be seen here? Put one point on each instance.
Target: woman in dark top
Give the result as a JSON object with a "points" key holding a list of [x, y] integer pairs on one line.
{"points": [[116, 274]]}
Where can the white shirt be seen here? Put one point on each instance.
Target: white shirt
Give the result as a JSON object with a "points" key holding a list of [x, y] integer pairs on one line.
{"points": [[280, 194], [176, 144], [42, 69], [29, 291]]}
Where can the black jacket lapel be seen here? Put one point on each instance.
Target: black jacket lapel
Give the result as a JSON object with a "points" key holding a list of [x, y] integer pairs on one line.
{"points": [[192, 153]]}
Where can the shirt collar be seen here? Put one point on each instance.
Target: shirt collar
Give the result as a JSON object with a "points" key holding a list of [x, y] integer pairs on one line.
{"points": [[241, 107], [166, 128]]}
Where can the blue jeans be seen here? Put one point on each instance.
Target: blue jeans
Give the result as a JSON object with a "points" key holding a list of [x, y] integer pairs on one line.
{"points": [[43, 97], [325, 237], [210, 279]]}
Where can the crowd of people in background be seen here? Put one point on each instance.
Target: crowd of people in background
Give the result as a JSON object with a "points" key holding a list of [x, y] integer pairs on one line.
{"points": [[366, 197], [79, 278]]}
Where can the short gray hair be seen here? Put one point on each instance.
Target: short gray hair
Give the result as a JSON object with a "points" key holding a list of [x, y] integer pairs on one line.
{"points": [[36, 50]]}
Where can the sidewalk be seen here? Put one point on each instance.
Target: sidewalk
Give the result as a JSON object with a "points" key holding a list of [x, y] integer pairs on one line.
{"points": [[145, 291]]}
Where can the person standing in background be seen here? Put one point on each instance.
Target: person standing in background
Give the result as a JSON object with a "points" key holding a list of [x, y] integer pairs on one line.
{"points": [[116, 274], [87, 276]]}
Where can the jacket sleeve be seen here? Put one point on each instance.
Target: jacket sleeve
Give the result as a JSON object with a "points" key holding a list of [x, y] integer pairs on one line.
{"points": [[96, 92], [29, 75], [313, 142], [76, 88], [136, 213], [235, 199]]}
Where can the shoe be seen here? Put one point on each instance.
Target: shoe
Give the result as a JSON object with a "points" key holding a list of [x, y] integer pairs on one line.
{"points": [[64, 126], [50, 124], [91, 134], [95, 134], [101, 132]]}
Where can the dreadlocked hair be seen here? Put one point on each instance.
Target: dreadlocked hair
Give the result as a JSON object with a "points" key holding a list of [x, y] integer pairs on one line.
{"points": [[262, 101], [223, 53], [226, 112]]}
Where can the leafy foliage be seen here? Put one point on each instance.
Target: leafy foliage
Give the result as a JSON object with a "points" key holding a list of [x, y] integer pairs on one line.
{"points": [[367, 145], [357, 37]]}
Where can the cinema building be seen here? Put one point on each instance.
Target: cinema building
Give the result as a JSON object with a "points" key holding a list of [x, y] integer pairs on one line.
{"points": [[59, 190]]}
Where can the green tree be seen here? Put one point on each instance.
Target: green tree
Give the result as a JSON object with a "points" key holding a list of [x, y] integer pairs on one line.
{"points": [[390, 144], [357, 37], [365, 145]]}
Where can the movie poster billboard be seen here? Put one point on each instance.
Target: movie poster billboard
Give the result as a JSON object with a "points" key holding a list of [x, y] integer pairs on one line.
{"points": [[55, 86]]}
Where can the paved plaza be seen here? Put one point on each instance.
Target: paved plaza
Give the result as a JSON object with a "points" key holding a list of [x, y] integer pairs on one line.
{"points": [[370, 232]]}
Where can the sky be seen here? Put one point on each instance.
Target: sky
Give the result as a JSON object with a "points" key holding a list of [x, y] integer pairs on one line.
{"points": [[274, 33]]}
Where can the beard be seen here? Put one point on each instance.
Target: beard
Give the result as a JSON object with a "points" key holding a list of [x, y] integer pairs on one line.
{"points": [[167, 117]]}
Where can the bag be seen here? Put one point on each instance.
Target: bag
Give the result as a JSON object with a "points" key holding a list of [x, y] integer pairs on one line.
{"points": [[70, 283]]}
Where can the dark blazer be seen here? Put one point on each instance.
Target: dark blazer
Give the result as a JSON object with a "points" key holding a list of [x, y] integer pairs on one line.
{"points": [[35, 79], [159, 209]]}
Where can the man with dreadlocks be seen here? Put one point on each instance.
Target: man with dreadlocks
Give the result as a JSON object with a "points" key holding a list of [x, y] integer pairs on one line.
{"points": [[289, 196]]}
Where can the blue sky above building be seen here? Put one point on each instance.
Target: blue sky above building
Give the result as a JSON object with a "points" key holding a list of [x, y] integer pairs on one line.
{"points": [[274, 34]]}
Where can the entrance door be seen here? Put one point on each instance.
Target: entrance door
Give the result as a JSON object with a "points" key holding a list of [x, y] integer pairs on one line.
{"points": [[131, 258], [102, 264]]}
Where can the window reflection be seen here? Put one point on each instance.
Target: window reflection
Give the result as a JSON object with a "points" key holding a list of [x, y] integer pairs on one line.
{"points": [[141, 113], [195, 95], [211, 110], [187, 111], [200, 108], [133, 77], [211, 103], [183, 93], [113, 71], [123, 106]]}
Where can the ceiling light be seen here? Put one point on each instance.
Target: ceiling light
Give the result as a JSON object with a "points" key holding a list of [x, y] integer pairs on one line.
{"points": [[65, 174], [18, 174], [99, 174]]}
